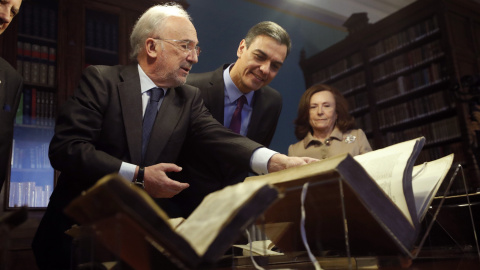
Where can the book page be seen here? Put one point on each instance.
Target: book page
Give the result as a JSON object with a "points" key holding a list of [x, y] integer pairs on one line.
{"points": [[261, 247], [175, 222], [387, 167], [202, 227], [427, 178]]}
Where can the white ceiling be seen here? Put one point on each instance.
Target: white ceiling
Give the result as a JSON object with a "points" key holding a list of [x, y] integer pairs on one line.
{"points": [[334, 13], [376, 9]]}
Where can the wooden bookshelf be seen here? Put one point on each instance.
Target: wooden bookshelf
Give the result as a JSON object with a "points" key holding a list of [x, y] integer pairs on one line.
{"points": [[50, 42], [398, 76]]}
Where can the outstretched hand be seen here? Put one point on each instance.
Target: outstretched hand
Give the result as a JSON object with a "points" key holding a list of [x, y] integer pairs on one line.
{"points": [[280, 162], [158, 184]]}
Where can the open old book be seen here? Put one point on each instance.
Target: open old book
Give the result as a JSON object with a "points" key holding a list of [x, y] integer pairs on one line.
{"points": [[363, 205], [131, 225]]}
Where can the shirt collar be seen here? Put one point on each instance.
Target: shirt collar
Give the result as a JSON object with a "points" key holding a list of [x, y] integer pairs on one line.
{"points": [[145, 82], [232, 93], [336, 135]]}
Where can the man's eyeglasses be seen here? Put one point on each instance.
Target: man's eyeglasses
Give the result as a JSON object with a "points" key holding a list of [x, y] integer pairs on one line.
{"points": [[187, 46]]}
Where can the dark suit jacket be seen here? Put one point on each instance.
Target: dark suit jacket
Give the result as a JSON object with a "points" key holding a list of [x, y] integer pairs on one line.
{"points": [[11, 86], [206, 177], [100, 126]]}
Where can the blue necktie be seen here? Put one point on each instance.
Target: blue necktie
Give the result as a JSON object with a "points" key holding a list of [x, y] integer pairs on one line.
{"points": [[236, 121], [150, 115]]}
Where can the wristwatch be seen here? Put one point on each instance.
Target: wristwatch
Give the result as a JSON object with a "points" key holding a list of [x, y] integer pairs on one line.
{"points": [[139, 181]]}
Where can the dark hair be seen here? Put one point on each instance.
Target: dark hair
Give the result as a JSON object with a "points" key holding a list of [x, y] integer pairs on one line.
{"points": [[302, 124], [269, 29]]}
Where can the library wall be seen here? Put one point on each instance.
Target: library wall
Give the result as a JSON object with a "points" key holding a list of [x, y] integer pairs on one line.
{"points": [[403, 75]]}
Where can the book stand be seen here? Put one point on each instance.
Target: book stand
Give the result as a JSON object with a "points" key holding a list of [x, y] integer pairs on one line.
{"points": [[452, 226], [120, 243], [338, 248]]}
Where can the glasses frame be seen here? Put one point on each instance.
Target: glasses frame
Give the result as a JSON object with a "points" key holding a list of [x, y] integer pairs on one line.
{"points": [[186, 48]]}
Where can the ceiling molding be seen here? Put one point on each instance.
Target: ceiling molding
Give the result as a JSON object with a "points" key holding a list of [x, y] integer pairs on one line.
{"points": [[305, 11], [333, 13]]}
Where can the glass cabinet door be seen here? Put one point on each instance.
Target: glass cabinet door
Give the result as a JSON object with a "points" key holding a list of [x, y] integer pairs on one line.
{"points": [[31, 175]]}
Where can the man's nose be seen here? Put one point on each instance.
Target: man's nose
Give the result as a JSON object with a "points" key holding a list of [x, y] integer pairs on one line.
{"points": [[265, 67], [192, 57], [5, 16]]}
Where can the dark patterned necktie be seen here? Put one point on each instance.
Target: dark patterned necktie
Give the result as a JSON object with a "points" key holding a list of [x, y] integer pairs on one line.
{"points": [[150, 115], [236, 121]]}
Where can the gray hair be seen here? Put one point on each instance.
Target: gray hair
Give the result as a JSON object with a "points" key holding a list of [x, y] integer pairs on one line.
{"points": [[150, 24], [269, 29]]}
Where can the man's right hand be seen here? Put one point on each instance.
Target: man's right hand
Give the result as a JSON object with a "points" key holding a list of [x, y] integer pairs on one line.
{"points": [[158, 184]]}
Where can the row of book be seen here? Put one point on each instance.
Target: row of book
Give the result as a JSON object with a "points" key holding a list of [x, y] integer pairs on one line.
{"points": [[364, 122], [29, 194], [346, 64], [413, 109], [358, 101], [407, 60], [438, 131], [351, 83], [403, 38], [37, 63], [101, 34], [412, 82], [381, 48], [30, 156], [38, 21], [37, 107]]}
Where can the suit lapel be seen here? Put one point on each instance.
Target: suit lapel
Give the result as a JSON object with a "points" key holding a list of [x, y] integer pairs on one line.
{"points": [[131, 105], [216, 94]]}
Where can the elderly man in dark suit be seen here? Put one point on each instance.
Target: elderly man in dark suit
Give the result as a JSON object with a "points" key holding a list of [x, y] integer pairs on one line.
{"points": [[260, 56], [100, 131], [11, 85]]}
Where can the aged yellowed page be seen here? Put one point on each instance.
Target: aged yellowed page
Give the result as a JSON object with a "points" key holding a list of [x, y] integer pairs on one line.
{"points": [[217, 209]]}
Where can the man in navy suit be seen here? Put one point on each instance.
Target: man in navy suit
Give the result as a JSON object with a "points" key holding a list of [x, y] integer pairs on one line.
{"points": [[260, 56], [11, 85], [99, 129]]}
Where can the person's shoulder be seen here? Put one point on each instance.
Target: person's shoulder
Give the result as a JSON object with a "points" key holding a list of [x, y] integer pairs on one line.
{"points": [[115, 73], [296, 148], [187, 90], [5, 66], [198, 79], [194, 77], [270, 94], [4, 63], [358, 133], [109, 69], [271, 91], [295, 145]]}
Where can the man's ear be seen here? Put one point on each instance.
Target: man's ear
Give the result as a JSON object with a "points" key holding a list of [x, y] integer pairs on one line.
{"points": [[150, 47], [241, 48]]}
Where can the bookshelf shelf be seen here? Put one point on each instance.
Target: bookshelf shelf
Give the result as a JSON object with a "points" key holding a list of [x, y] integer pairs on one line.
{"points": [[409, 69], [405, 46], [60, 27], [359, 110], [406, 95], [36, 38], [443, 141], [343, 74], [418, 118], [402, 86], [101, 50]]}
